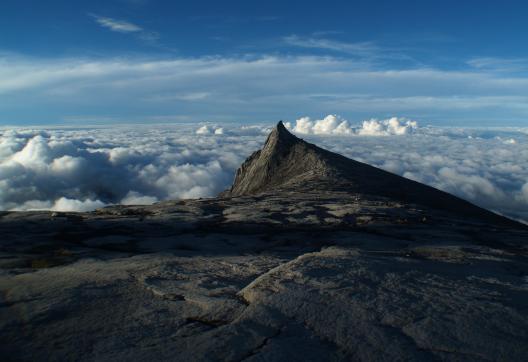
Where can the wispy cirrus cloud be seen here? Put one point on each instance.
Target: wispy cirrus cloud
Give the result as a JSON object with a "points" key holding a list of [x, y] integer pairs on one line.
{"points": [[253, 88], [148, 37], [499, 64], [365, 50], [361, 48], [196, 96], [120, 26]]}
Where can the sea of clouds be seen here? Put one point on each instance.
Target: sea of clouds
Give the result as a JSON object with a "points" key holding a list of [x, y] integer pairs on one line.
{"points": [[80, 169]]}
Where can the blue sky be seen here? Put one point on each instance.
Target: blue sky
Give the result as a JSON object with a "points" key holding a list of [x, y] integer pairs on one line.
{"points": [[439, 62]]}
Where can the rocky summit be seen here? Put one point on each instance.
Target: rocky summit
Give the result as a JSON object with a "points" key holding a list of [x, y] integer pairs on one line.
{"points": [[309, 256]]}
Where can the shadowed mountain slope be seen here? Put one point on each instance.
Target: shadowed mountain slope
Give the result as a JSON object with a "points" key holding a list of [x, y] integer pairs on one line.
{"points": [[288, 162]]}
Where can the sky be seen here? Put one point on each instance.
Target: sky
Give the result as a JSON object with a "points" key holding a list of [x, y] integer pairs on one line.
{"points": [[446, 63]]}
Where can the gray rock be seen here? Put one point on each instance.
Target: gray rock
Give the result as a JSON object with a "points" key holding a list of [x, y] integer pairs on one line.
{"points": [[287, 162], [309, 256]]}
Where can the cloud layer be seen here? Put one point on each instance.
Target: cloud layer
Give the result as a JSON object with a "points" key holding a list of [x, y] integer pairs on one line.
{"points": [[250, 88], [82, 169], [85, 168]]}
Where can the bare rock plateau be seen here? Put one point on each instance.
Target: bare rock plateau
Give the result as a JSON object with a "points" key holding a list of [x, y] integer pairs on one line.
{"points": [[309, 256]]}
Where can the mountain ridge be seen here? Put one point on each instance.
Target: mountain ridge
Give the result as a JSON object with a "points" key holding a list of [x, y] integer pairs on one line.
{"points": [[288, 162]]}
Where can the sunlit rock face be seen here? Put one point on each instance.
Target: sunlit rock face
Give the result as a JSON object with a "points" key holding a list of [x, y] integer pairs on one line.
{"points": [[308, 255]]}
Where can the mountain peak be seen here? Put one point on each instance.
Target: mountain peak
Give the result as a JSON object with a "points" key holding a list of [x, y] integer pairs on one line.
{"points": [[288, 162], [280, 137], [284, 159], [281, 129]]}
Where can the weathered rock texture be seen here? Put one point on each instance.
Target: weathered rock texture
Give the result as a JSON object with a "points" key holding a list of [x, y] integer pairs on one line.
{"points": [[310, 256]]}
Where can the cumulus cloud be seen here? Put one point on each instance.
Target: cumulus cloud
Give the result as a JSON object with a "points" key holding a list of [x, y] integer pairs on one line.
{"points": [[331, 124], [65, 204], [135, 198], [335, 125], [82, 169], [387, 127], [205, 129]]}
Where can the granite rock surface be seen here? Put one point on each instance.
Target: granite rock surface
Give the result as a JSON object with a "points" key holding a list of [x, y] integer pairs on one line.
{"points": [[309, 256]]}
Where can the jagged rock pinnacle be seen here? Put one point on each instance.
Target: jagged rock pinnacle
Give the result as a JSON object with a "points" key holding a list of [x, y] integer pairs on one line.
{"points": [[288, 162], [280, 135], [284, 159], [279, 141]]}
